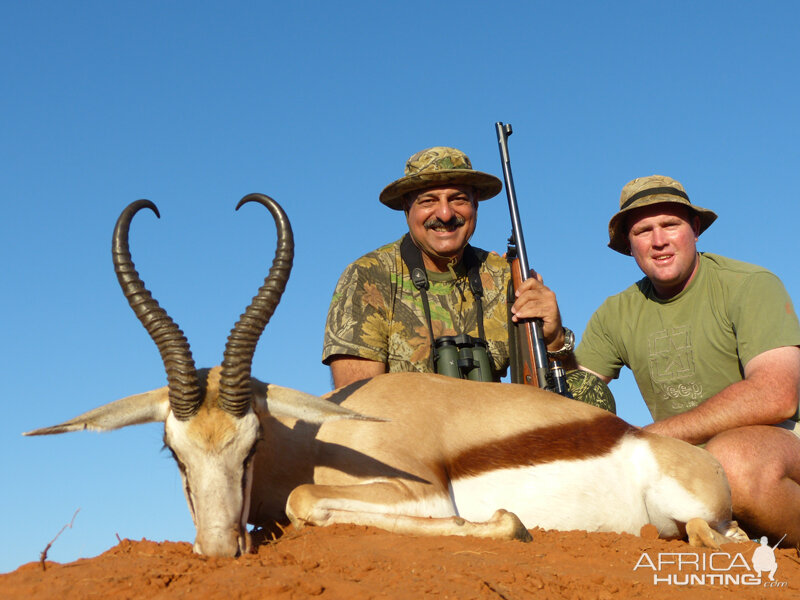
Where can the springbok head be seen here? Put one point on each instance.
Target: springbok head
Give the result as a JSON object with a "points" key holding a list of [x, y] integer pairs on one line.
{"points": [[210, 417]]}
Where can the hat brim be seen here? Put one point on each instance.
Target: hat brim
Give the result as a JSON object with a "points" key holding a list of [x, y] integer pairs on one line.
{"points": [[485, 185], [618, 236]]}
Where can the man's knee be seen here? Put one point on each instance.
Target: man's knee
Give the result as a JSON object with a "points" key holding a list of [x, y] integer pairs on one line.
{"points": [[750, 465]]}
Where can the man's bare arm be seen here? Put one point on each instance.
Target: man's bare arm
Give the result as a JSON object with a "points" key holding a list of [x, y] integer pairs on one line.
{"points": [[768, 394], [573, 364], [347, 369]]}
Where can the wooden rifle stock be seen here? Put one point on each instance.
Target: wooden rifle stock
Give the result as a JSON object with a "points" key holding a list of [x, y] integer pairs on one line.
{"points": [[522, 340]]}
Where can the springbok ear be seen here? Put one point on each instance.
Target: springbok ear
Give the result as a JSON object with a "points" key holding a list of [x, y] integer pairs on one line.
{"points": [[149, 407], [288, 403]]}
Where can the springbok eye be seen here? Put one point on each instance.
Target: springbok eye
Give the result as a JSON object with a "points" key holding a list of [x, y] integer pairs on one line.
{"points": [[181, 466], [253, 450]]}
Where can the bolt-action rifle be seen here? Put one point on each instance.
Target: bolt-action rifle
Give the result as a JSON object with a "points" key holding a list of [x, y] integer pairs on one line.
{"points": [[527, 349]]}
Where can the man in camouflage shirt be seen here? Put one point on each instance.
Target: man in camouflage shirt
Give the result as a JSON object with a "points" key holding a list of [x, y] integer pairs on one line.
{"points": [[377, 321], [377, 313]]}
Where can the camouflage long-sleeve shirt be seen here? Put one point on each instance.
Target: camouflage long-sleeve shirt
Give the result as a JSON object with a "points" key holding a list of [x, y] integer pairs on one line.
{"points": [[376, 312]]}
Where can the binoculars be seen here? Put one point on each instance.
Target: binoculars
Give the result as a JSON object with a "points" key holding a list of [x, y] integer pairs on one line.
{"points": [[462, 356]]}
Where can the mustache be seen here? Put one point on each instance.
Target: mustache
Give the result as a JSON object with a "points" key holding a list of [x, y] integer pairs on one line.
{"points": [[456, 221]]}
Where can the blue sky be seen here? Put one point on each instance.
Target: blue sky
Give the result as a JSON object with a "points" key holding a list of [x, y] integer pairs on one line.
{"points": [[194, 105]]}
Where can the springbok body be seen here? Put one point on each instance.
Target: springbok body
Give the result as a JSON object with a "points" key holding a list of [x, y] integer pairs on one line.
{"points": [[452, 448], [413, 453], [448, 454]]}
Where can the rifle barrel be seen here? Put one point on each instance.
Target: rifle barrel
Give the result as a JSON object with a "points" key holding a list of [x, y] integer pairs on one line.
{"points": [[534, 326], [503, 131]]}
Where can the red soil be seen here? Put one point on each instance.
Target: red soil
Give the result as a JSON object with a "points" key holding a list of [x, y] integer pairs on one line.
{"points": [[351, 562]]}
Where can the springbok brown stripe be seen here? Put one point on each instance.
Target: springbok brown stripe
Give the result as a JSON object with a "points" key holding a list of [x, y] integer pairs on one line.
{"points": [[571, 441]]}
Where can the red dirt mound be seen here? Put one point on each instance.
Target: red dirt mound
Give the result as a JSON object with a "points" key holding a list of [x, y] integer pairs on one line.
{"points": [[351, 562]]}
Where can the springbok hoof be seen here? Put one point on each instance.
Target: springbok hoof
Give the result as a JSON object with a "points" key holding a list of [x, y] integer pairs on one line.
{"points": [[701, 535], [736, 533], [509, 526]]}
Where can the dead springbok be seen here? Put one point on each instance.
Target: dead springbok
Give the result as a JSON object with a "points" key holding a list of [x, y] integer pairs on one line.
{"points": [[435, 456]]}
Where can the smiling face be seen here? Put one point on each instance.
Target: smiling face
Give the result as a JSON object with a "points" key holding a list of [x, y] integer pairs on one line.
{"points": [[441, 221], [663, 240]]}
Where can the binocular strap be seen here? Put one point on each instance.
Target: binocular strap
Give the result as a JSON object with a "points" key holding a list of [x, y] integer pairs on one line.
{"points": [[412, 257]]}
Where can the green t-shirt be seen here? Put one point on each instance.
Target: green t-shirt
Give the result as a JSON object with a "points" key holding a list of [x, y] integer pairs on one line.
{"points": [[686, 349], [376, 312]]}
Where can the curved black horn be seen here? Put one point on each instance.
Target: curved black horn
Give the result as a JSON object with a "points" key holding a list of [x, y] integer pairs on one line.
{"points": [[234, 382], [184, 389]]}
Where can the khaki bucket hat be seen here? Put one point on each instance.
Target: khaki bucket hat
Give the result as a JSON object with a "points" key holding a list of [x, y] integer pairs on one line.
{"points": [[645, 191], [439, 166]]}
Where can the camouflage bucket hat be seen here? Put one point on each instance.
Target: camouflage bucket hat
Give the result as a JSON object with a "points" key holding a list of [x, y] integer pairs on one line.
{"points": [[645, 191], [439, 166]]}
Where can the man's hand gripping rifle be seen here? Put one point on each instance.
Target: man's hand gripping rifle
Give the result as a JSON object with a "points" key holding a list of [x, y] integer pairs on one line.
{"points": [[529, 363]]}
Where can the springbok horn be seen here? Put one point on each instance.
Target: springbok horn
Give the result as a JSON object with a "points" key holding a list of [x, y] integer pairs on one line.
{"points": [[234, 383], [184, 387]]}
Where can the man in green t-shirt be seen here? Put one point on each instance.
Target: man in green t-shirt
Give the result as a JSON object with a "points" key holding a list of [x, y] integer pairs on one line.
{"points": [[380, 322], [713, 344]]}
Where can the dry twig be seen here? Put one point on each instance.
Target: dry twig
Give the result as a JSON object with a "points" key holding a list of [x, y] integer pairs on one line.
{"points": [[43, 555]]}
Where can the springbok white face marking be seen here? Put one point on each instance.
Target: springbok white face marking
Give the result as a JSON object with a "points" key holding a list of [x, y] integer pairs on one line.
{"points": [[214, 452]]}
